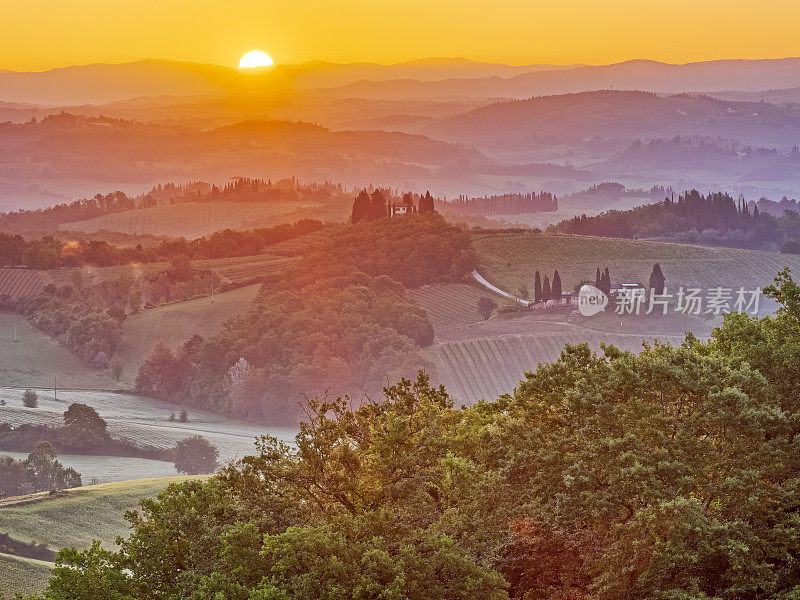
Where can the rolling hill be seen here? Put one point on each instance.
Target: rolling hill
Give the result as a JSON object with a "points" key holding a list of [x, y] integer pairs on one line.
{"points": [[173, 324], [510, 260], [190, 219]]}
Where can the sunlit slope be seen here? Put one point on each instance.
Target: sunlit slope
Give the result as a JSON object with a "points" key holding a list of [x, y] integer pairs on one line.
{"points": [[22, 576], [80, 515], [511, 260]]}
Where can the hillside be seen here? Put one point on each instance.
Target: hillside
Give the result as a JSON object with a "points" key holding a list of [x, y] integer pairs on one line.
{"points": [[173, 324], [191, 219], [20, 283], [509, 261], [35, 359], [72, 518], [616, 114], [142, 419], [78, 516], [22, 575]]}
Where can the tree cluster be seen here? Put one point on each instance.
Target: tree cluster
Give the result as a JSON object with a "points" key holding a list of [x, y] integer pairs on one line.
{"points": [[82, 432], [40, 472], [712, 219], [51, 253], [505, 204], [339, 319]]}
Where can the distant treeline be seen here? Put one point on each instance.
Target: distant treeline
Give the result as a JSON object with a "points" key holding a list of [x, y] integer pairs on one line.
{"points": [[713, 219], [339, 317], [239, 190], [505, 204], [50, 253]]}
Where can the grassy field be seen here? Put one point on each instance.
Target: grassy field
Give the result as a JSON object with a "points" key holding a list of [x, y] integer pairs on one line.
{"points": [[141, 419], [35, 358], [472, 369], [109, 469], [72, 518], [510, 260], [173, 324], [22, 576], [80, 515], [191, 219]]}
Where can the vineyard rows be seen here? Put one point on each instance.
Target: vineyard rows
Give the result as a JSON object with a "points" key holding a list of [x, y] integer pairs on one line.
{"points": [[20, 283], [451, 304], [489, 367]]}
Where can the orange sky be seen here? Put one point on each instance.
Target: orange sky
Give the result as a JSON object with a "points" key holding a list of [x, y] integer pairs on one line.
{"points": [[52, 33]]}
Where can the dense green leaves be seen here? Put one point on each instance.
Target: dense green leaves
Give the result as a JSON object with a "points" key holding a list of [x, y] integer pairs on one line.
{"points": [[672, 473]]}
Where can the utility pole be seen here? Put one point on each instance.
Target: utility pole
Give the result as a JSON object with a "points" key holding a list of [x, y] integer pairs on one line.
{"points": [[212, 293], [55, 387], [15, 333]]}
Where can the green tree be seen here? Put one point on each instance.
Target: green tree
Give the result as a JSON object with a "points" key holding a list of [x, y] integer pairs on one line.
{"points": [[537, 288], [30, 399], [556, 287], [486, 306], [195, 456]]}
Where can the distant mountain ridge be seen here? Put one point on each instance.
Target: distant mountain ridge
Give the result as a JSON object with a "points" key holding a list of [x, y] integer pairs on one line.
{"points": [[425, 78]]}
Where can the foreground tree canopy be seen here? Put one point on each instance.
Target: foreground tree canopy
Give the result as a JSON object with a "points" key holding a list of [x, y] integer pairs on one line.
{"points": [[673, 473]]}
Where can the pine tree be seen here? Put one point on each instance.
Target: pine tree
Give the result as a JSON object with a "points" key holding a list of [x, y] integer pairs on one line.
{"points": [[597, 278], [556, 287], [546, 293], [537, 288]]}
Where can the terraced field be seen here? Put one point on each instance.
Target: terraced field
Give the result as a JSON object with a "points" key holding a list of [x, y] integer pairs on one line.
{"points": [[191, 219], [510, 260], [20, 283], [477, 368]]}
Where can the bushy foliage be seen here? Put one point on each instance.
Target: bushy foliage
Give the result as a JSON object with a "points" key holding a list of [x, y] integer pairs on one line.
{"points": [[668, 474], [195, 456], [40, 472], [338, 319]]}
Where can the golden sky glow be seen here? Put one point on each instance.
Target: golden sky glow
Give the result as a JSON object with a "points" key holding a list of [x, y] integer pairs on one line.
{"points": [[54, 33]]}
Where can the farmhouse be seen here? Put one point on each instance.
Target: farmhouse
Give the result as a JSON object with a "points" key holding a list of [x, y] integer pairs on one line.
{"points": [[401, 208]]}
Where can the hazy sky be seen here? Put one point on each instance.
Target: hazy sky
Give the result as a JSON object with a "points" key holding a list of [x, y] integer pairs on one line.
{"points": [[52, 33]]}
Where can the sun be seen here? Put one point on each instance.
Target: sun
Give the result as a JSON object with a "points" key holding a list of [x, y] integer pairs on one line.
{"points": [[255, 59]]}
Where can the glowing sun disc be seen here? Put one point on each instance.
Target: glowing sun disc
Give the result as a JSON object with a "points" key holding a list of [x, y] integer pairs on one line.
{"points": [[255, 59]]}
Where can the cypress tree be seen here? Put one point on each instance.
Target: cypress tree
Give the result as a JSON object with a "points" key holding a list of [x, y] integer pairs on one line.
{"points": [[657, 280], [556, 287], [597, 279], [606, 282], [537, 288], [546, 293], [360, 206]]}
